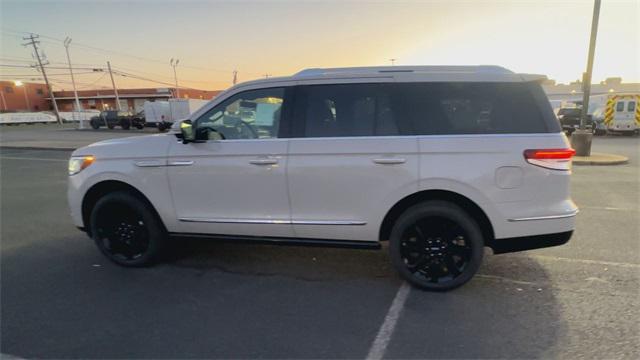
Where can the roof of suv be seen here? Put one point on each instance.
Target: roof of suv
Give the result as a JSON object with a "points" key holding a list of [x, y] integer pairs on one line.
{"points": [[471, 73]]}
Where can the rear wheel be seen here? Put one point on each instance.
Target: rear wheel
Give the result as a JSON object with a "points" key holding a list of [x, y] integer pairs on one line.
{"points": [[95, 125], [436, 246], [127, 230], [126, 124]]}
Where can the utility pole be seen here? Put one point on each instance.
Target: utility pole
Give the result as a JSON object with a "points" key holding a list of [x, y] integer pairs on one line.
{"points": [[67, 41], [174, 63], [115, 89], [581, 139], [393, 61], [266, 76], [4, 101], [34, 43], [235, 77]]}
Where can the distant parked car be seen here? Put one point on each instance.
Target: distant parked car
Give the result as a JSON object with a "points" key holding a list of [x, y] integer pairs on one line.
{"points": [[113, 118], [570, 120]]}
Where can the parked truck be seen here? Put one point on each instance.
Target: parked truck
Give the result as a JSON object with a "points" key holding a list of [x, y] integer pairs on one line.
{"points": [[113, 118]]}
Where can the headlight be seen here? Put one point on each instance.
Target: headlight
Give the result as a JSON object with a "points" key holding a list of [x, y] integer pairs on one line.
{"points": [[79, 163]]}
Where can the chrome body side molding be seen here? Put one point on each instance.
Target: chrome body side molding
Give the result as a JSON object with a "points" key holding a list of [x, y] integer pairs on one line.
{"points": [[274, 221], [547, 217]]}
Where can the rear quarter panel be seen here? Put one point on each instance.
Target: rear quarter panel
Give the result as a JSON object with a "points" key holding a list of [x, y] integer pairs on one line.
{"points": [[491, 171]]}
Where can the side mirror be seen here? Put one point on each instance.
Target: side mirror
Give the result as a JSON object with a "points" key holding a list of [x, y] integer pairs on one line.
{"points": [[187, 132]]}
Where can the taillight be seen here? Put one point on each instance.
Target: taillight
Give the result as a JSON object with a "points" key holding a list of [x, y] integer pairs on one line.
{"points": [[555, 159]]}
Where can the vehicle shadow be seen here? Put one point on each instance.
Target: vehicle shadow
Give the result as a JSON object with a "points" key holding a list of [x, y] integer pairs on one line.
{"points": [[299, 262], [509, 310]]}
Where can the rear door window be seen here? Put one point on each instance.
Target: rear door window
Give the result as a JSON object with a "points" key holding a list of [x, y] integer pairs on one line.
{"points": [[631, 106], [620, 106], [342, 110], [471, 108]]}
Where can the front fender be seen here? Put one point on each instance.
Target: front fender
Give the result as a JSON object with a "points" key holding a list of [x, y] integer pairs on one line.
{"points": [[150, 181]]}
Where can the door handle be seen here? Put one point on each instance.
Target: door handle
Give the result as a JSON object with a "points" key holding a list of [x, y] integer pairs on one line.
{"points": [[389, 161], [180, 163], [263, 161]]}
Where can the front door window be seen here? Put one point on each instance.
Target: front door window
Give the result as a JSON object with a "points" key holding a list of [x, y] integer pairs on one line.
{"points": [[253, 114]]}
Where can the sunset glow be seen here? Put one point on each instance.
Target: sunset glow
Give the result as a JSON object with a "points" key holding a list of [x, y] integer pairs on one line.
{"points": [[212, 39]]}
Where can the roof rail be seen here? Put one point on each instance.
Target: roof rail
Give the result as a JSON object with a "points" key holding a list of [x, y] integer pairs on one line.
{"points": [[493, 69]]}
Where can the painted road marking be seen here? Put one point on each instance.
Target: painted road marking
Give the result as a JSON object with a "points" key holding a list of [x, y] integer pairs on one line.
{"points": [[388, 326], [609, 208], [585, 261]]}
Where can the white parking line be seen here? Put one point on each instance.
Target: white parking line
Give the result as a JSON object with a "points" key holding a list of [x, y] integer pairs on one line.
{"points": [[388, 326], [31, 159], [608, 208], [585, 261]]}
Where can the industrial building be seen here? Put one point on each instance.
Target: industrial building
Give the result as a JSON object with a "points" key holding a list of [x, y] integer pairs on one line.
{"points": [[18, 96]]}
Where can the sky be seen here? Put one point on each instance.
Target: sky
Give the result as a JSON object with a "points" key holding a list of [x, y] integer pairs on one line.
{"points": [[274, 38]]}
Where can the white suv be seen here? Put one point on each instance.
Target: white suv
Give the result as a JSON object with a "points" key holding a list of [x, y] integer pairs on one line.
{"points": [[439, 161]]}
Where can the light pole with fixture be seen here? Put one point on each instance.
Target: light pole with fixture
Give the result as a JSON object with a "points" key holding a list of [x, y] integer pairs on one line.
{"points": [[67, 41], [174, 63], [19, 83]]}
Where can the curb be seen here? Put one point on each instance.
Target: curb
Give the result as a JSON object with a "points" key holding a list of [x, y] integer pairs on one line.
{"points": [[36, 148], [600, 159]]}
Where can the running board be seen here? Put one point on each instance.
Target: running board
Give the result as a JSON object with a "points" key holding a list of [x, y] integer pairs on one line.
{"points": [[373, 245]]}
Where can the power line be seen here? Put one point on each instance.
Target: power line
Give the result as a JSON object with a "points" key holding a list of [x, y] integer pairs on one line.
{"points": [[96, 81], [51, 67], [80, 73], [121, 53]]}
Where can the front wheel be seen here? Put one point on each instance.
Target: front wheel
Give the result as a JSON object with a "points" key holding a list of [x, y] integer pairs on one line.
{"points": [[436, 246], [127, 230]]}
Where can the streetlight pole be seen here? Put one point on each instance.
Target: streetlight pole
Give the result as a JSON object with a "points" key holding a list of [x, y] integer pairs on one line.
{"points": [[173, 64], [67, 41], [115, 89], [581, 139]]}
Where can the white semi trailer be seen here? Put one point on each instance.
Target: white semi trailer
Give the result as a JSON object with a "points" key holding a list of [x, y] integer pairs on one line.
{"points": [[163, 113]]}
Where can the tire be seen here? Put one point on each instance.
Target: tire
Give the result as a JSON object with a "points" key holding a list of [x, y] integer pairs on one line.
{"points": [[139, 126], [95, 125], [125, 124], [127, 230], [436, 246], [161, 127]]}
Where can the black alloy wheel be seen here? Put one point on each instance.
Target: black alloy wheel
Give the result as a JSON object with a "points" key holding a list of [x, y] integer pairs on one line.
{"points": [[436, 246], [126, 230]]}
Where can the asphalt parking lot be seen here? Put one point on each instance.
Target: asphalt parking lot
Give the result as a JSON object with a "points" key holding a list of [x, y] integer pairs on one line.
{"points": [[62, 299]]}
